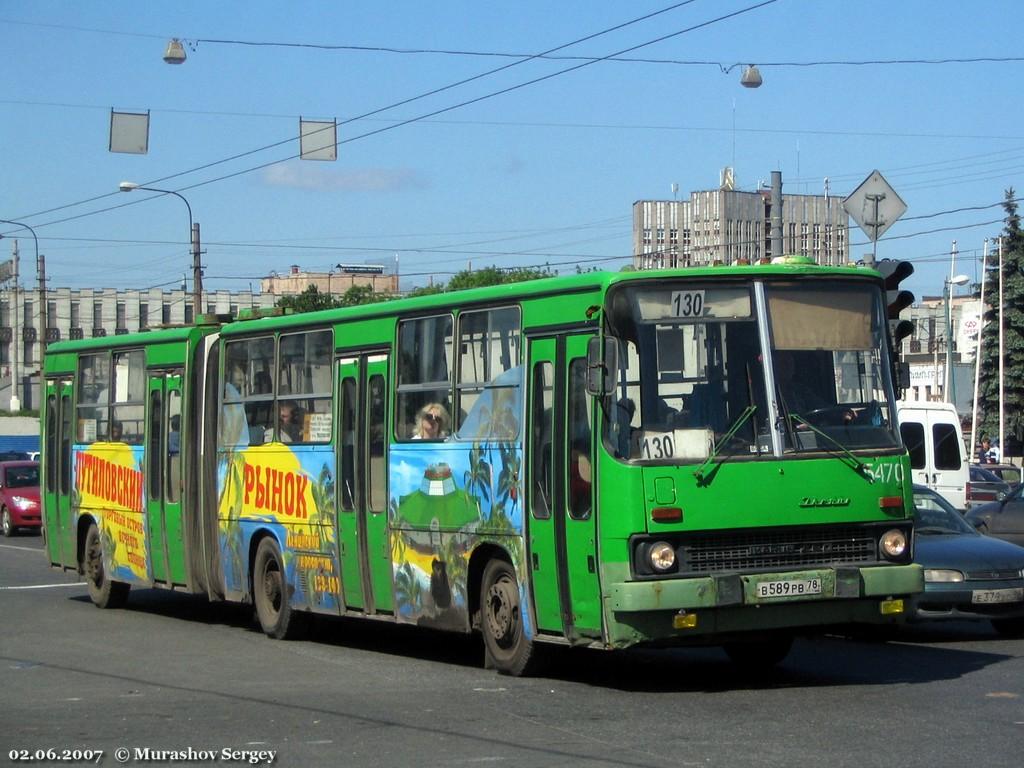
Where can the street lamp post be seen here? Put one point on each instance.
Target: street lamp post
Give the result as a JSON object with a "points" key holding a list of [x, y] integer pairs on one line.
{"points": [[193, 229], [15, 400], [949, 381]]}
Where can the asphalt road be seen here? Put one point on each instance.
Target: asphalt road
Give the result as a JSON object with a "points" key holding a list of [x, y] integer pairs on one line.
{"points": [[173, 672]]}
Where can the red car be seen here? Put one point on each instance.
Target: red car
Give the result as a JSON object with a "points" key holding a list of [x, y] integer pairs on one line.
{"points": [[19, 496]]}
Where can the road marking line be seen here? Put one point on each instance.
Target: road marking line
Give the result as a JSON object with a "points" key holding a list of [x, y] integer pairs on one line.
{"points": [[47, 586], [23, 549]]}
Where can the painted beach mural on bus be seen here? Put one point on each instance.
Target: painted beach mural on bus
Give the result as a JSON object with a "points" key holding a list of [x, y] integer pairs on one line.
{"points": [[291, 492], [447, 497]]}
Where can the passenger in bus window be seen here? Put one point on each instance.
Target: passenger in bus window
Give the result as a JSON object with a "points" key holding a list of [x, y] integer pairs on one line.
{"points": [[288, 428], [116, 431], [431, 423]]}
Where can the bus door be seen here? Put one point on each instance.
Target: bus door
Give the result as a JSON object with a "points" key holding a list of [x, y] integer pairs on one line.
{"points": [[362, 483], [56, 481], [563, 528], [164, 477]]}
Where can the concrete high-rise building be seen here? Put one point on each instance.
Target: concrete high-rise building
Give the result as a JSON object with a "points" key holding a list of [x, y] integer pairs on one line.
{"points": [[726, 226]]}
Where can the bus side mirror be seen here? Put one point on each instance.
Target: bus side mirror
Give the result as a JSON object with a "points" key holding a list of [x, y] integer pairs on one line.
{"points": [[602, 363]]}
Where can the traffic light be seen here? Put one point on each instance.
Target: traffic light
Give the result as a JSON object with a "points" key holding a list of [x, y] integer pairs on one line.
{"points": [[893, 273]]}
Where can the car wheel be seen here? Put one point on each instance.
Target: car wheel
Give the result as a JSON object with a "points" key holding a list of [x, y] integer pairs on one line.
{"points": [[507, 649], [270, 593], [6, 523], [104, 592], [1009, 627]]}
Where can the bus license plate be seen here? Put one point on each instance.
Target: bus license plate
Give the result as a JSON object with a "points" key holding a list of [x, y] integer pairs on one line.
{"points": [[998, 595], [789, 588]]}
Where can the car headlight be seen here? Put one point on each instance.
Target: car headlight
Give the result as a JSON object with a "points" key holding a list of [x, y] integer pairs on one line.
{"points": [[661, 556], [942, 575], [893, 543], [21, 501]]}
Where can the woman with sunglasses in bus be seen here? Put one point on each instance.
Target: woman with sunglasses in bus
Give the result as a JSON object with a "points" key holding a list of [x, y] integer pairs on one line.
{"points": [[431, 423]]}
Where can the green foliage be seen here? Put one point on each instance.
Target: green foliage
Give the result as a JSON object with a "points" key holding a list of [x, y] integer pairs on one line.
{"points": [[361, 294], [310, 300], [1013, 336], [480, 278], [426, 290]]}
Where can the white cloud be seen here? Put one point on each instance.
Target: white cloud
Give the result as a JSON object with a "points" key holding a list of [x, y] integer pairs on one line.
{"points": [[314, 176]]}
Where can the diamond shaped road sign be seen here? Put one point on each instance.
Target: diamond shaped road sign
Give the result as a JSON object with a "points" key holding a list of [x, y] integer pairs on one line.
{"points": [[874, 205]]}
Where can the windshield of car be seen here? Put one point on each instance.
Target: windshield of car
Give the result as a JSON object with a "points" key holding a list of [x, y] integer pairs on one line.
{"points": [[830, 365], [934, 515], [22, 477]]}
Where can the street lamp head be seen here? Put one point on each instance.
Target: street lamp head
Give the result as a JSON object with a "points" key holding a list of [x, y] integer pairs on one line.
{"points": [[127, 186], [959, 280], [175, 53], [751, 78]]}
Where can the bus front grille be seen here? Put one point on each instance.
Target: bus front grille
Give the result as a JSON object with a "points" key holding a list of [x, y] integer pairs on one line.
{"points": [[778, 549]]}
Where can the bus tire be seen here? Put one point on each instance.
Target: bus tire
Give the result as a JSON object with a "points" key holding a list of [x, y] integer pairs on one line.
{"points": [[6, 522], [506, 647], [270, 593], [762, 654], [104, 592]]}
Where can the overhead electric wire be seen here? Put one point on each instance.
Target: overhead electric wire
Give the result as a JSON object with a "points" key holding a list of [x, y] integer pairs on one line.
{"points": [[377, 111]]}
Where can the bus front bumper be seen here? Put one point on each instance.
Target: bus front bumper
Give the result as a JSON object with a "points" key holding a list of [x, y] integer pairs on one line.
{"points": [[640, 611]]}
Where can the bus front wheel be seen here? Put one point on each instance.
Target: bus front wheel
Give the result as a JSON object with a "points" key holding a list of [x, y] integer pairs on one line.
{"points": [[507, 648], [103, 592], [270, 593]]}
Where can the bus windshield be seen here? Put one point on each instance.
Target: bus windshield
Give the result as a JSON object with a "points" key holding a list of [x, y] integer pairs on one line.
{"points": [[692, 370], [831, 366]]}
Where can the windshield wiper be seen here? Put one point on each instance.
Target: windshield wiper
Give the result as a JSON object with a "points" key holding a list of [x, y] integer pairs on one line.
{"points": [[699, 473], [858, 466]]}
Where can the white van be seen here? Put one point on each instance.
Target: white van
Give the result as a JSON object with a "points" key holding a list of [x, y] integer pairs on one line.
{"points": [[932, 434]]}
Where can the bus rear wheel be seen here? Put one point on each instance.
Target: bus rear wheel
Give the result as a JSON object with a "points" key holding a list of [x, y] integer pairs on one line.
{"points": [[270, 593], [103, 592], [506, 646]]}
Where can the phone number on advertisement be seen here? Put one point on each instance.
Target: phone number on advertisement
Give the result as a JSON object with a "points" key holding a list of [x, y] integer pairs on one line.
{"points": [[56, 755]]}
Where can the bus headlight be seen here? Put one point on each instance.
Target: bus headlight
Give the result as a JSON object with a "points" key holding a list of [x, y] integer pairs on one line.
{"points": [[893, 544], [939, 575], [662, 556]]}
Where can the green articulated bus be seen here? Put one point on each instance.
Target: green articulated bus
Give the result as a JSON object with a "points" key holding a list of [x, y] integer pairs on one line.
{"points": [[699, 456]]}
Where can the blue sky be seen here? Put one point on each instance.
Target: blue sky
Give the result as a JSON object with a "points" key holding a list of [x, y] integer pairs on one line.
{"points": [[545, 173]]}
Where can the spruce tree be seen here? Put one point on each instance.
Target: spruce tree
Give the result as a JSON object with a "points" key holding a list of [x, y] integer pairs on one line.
{"points": [[1013, 339]]}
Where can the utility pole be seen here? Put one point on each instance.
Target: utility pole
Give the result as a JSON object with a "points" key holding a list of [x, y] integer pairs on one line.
{"points": [[15, 341], [197, 274], [776, 217], [41, 268]]}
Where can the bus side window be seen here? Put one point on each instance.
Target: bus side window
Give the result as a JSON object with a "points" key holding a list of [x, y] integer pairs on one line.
{"points": [[543, 448], [579, 434]]}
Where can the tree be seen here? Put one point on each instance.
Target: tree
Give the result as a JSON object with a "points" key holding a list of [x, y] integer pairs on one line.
{"points": [[1013, 340], [494, 276], [361, 294], [310, 300]]}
